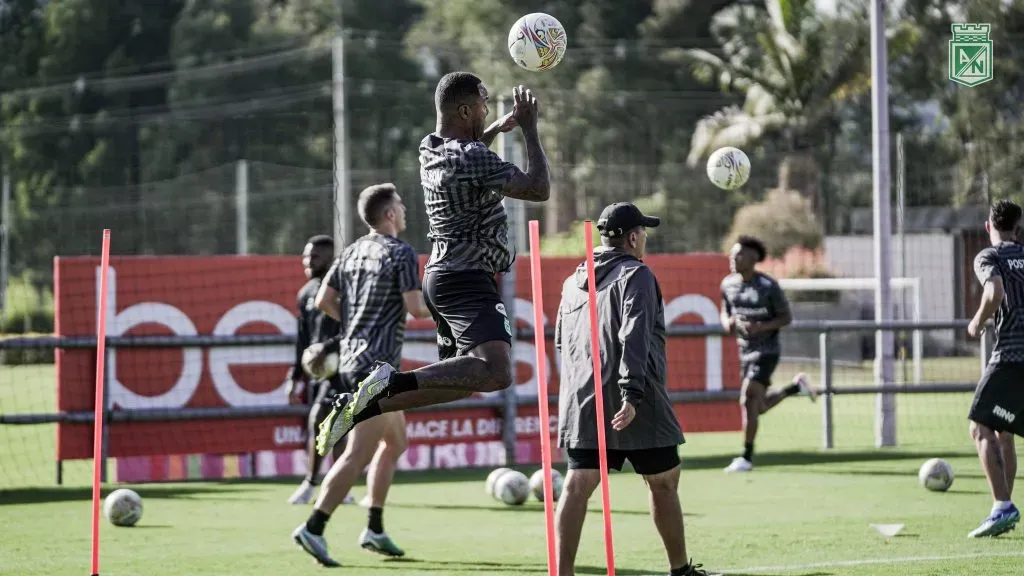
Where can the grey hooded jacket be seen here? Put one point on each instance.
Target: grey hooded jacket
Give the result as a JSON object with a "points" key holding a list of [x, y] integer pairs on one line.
{"points": [[631, 317]]}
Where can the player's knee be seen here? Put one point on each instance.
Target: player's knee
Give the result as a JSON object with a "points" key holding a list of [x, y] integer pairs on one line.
{"points": [[581, 483], [664, 483], [981, 432], [500, 372]]}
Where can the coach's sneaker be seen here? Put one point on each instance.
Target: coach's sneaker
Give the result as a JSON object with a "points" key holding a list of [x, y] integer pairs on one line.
{"points": [[739, 464], [315, 546], [303, 494], [692, 569], [999, 522], [379, 543], [803, 382], [336, 425]]}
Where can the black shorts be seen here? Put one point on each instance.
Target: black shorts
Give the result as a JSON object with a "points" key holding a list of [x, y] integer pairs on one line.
{"points": [[759, 369], [342, 382], [467, 308], [999, 398], [645, 462]]}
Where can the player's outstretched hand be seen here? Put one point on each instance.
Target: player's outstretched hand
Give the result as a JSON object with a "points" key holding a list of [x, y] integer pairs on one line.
{"points": [[297, 390], [525, 109], [624, 417]]}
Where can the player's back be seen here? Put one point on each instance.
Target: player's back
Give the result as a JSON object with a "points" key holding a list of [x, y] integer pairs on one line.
{"points": [[370, 276], [462, 184], [1006, 260]]}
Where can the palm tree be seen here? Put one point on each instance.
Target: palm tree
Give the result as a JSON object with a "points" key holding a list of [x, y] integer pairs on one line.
{"points": [[793, 67]]}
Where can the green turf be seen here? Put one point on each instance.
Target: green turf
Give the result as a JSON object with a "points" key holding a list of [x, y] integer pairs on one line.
{"points": [[804, 511]]}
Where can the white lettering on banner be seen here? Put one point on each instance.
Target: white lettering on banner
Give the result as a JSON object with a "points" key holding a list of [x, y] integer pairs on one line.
{"points": [[118, 323], [222, 358], [289, 435], [454, 428]]}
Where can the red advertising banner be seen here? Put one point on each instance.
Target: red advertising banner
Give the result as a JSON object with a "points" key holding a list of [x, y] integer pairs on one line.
{"points": [[225, 295]]}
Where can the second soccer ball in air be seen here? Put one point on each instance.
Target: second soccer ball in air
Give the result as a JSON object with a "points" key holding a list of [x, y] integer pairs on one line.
{"points": [[537, 42], [728, 168]]}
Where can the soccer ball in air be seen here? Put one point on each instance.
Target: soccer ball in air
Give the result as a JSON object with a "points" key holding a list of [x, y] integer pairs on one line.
{"points": [[936, 475], [123, 507], [728, 168], [537, 484], [537, 42], [492, 479], [512, 488], [328, 368]]}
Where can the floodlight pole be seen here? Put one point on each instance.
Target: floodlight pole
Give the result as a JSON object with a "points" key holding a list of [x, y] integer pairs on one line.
{"points": [[885, 403]]}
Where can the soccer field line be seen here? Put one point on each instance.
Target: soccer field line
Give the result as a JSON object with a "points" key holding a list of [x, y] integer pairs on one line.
{"points": [[869, 561]]}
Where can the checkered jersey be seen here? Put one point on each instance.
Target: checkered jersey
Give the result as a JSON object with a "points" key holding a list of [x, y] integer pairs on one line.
{"points": [[760, 300], [1005, 260], [370, 276], [462, 186]]}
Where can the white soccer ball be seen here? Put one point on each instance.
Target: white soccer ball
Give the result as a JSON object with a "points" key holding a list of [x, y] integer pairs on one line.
{"points": [[537, 484], [728, 168], [537, 42], [492, 479], [328, 368], [936, 475], [123, 507], [512, 488]]}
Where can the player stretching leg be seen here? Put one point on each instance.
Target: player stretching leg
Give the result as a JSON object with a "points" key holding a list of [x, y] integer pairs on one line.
{"points": [[313, 328], [463, 185], [368, 290], [754, 308], [997, 412]]}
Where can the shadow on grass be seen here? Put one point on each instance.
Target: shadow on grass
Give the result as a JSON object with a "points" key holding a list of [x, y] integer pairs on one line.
{"points": [[808, 458], [72, 494], [449, 567], [775, 574]]}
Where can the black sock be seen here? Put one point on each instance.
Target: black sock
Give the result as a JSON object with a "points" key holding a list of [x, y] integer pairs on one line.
{"points": [[376, 523], [317, 522], [791, 390], [372, 410], [748, 451], [401, 382], [681, 571]]}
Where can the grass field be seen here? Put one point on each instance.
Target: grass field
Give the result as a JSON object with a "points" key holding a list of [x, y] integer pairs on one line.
{"points": [[804, 511]]}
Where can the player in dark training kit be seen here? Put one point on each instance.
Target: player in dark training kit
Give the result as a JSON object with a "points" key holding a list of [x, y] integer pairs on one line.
{"points": [[313, 327], [755, 308], [463, 186], [369, 290], [997, 413]]}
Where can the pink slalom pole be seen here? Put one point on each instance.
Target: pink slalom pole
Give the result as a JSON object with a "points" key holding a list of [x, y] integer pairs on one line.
{"points": [[97, 436], [602, 443], [542, 392]]}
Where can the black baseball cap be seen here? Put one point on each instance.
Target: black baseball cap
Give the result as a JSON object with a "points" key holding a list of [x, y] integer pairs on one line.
{"points": [[621, 217]]}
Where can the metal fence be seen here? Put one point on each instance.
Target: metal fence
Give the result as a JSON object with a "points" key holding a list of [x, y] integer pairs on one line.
{"points": [[507, 403]]}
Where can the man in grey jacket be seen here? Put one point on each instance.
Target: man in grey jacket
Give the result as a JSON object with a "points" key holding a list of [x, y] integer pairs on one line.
{"points": [[644, 428]]}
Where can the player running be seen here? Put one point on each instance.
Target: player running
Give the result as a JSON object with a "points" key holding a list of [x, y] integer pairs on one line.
{"points": [[755, 308], [997, 412], [463, 185], [313, 327], [369, 290]]}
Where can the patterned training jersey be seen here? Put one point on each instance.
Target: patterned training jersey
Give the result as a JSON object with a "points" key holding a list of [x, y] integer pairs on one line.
{"points": [[370, 276], [1005, 260], [760, 300], [462, 186]]}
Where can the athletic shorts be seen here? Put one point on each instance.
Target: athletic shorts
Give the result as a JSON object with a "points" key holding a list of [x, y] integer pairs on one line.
{"points": [[326, 390], [759, 369], [645, 462], [999, 399], [467, 308]]}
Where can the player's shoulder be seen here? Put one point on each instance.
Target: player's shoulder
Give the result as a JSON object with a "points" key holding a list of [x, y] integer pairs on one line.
{"points": [[399, 248], [309, 289], [989, 253], [731, 279], [765, 280]]}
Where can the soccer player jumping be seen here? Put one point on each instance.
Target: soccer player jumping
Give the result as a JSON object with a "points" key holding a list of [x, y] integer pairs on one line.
{"points": [[997, 412], [754, 308], [463, 186]]}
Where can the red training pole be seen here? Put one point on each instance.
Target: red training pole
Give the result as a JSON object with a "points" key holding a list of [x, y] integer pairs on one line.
{"points": [[595, 352], [542, 392], [97, 437]]}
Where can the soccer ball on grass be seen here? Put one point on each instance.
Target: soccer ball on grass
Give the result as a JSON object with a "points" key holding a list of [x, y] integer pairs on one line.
{"points": [[492, 479], [537, 484], [512, 488], [936, 475], [123, 507], [537, 42]]}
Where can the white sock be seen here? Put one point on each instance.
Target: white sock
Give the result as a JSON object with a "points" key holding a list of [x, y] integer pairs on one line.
{"points": [[1000, 505]]}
